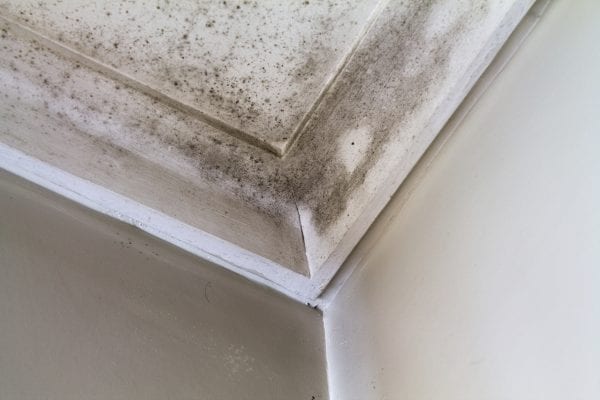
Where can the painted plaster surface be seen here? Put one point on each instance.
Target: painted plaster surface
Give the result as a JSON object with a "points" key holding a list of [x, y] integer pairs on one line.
{"points": [[121, 138], [254, 68], [90, 308], [484, 283], [303, 211]]}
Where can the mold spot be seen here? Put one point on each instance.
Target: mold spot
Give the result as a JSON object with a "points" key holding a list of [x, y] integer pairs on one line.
{"points": [[228, 57], [247, 82]]}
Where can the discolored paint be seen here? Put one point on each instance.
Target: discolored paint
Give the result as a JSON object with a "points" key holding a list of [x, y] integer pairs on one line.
{"points": [[399, 85], [253, 68], [308, 175], [358, 95]]}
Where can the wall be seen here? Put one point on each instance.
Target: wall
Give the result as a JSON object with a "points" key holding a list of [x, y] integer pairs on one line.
{"points": [[485, 283], [95, 309]]}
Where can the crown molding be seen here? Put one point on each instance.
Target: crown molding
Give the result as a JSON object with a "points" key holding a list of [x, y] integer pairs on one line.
{"points": [[282, 204]]}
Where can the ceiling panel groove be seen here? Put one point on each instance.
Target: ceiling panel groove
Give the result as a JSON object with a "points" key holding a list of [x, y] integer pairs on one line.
{"points": [[331, 81], [125, 79]]}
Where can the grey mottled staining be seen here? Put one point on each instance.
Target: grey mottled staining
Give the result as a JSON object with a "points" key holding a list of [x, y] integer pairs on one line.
{"points": [[256, 66], [312, 173], [320, 178]]}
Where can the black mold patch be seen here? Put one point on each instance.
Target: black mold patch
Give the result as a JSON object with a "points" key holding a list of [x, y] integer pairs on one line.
{"points": [[311, 174], [234, 61], [319, 179]]}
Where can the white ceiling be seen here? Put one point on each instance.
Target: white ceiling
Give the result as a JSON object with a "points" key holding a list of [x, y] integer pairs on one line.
{"points": [[164, 105]]}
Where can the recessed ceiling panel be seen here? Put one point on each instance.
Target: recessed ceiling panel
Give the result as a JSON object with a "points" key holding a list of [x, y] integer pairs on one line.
{"points": [[139, 101], [254, 68]]}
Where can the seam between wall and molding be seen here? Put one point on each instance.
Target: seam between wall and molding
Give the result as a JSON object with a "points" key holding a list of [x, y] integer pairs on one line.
{"points": [[188, 238], [497, 64], [404, 192]]}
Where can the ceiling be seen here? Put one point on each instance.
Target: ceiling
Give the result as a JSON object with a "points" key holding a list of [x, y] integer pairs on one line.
{"points": [[266, 136]]}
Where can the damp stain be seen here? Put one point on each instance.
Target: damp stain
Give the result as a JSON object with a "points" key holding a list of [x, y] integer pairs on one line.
{"points": [[256, 67], [313, 173]]}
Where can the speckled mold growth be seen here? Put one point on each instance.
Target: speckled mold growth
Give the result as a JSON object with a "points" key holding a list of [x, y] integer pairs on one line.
{"points": [[322, 179], [152, 92], [313, 173], [253, 68], [52, 106]]}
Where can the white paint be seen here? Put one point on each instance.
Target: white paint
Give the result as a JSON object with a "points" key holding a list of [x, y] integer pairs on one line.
{"points": [[182, 235], [484, 282], [90, 115], [94, 308], [444, 17], [193, 51], [402, 152], [353, 147]]}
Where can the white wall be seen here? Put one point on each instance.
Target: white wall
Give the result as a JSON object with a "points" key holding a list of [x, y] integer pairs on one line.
{"points": [[486, 284], [95, 309]]}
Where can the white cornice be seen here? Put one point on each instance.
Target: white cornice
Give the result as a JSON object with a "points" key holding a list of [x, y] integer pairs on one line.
{"points": [[282, 205]]}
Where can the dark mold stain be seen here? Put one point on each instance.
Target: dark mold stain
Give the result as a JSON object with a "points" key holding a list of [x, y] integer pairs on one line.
{"points": [[224, 56], [312, 173], [318, 178]]}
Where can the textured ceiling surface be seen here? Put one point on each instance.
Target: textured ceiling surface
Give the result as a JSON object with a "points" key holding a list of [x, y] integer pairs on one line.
{"points": [[151, 100], [255, 69]]}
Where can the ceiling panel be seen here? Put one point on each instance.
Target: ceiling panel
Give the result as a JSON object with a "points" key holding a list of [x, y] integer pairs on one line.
{"points": [[255, 69], [140, 110]]}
